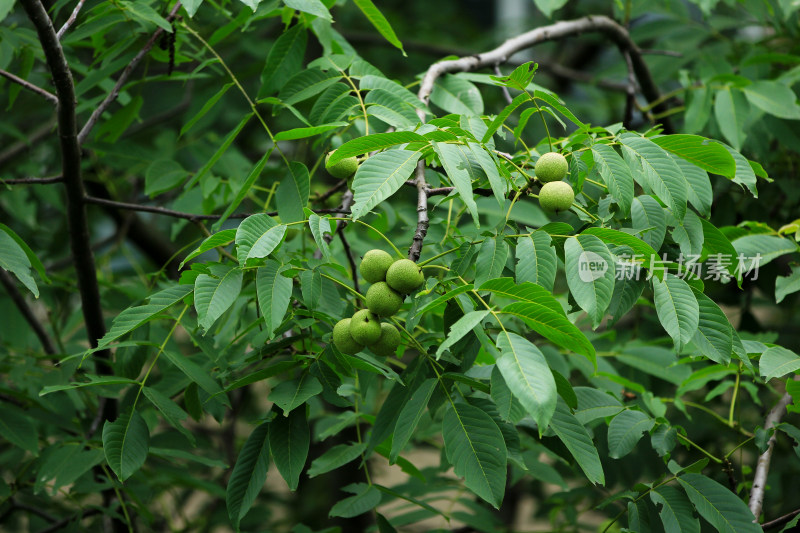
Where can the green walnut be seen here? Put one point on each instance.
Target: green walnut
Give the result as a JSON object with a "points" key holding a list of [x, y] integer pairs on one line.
{"points": [[343, 340], [383, 300], [344, 168], [388, 342], [365, 327], [374, 265], [404, 276], [556, 196], [552, 166]]}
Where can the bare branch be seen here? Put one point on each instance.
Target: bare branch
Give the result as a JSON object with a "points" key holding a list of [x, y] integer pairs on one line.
{"points": [[187, 216], [350, 259], [559, 30], [506, 94], [330, 192], [32, 181], [630, 98], [422, 213], [109, 99], [53, 99], [11, 288], [778, 522], [762, 467], [70, 20]]}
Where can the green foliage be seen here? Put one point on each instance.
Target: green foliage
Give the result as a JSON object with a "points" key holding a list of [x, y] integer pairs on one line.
{"points": [[607, 349]]}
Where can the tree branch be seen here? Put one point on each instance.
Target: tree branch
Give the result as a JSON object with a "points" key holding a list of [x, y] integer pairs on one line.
{"points": [[762, 467], [31, 87], [559, 30], [350, 259], [70, 20], [187, 216], [109, 99], [422, 213], [11, 288], [32, 181], [778, 522]]}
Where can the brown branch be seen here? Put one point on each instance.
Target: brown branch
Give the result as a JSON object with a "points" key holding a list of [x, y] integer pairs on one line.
{"points": [[11, 288], [330, 192], [70, 20], [422, 213], [757, 492], [778, 522], [109, 99], [559, 30], [31, 87], [630, 93], [32, 181], [350, 259], [187, 216]]}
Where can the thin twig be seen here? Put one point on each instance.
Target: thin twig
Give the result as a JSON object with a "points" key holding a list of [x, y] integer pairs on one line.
{"points": [[762, 467], [53, 99], [559, 30], [422, 213], [70, 20], [506, 94], [27, 312], [187, 216], [32, 181], [778, 522], [350, 259], [330, 192], [109, 99], [630, 93]]}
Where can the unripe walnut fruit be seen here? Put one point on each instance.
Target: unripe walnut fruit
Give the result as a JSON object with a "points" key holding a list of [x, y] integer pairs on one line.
{"points": [[552, 166], [383, 300], [343, 340], [404, 276], [365, 327], [374, 265], [388, 342], [556, 196], [344, 168]]}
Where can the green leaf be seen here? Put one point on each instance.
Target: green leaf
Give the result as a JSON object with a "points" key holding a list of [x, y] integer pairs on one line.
{"points": [[144, 13], [765, 247], [191, 6], [380, 23], [500, 119], [291, 394], [461, 327], [213, 296], [308, 131], [730, 110], [125, 444], [620, 238], [410, 415], [475, 447], [220, 151], [258, 236], [170, 410], [313, 7], [289, 439], [207, 106], [163, 175], [714, 336], [676, 512], [594, 404], [745, 175], [449, 295], [774, 98], [35, 262], [786, 285], [249, 474], [94, 381], [578, 442], [699, 186], [13, 259], [537, 261], [133, 317], [307, 83], [367, 498], [64, 466], [379, 177], [590, 271], [677, 308], [292, 193], [374, 143], [496, 182], [688, 234], [194, 372], [274, 293], [336, 457], [615, 173], [700, 151], [664, 439], [285, 59], [391, 109], [718, 505], [625, 430], [548, 6], [527, 374], [777, 361], [661, 173], [461, 172], [491, 260], [647, 214], [457, 95], [249, 181], [320, 227], [17, 428], [221, 238], [718, 244], [333, 104]]}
